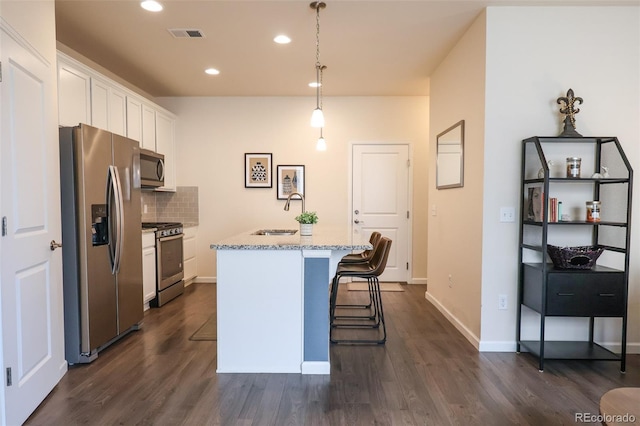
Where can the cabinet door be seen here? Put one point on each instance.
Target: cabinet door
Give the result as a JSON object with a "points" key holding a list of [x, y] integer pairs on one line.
{"points": [[148, 127], [165, 145], [117, 112], [74, 96], [99, 104], [586, 294], [134, 119], [148, 267], [189, 250]]}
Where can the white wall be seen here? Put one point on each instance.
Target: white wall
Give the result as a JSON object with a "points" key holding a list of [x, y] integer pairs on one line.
{"points": [[455, 228], [531, 61], [213, 134]]}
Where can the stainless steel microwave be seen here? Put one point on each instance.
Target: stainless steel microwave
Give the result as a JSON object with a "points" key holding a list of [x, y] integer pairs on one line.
{"points": [[151, 169]]}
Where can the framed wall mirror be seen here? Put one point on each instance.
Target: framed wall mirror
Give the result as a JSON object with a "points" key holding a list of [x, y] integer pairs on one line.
{"points": [[450, 157]]}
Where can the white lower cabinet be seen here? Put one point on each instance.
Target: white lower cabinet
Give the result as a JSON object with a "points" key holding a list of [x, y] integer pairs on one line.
{"points": [[189, 249], [148, 267]]}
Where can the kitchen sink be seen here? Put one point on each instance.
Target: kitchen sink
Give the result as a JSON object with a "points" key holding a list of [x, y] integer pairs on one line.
{"points": [[275, 232]]}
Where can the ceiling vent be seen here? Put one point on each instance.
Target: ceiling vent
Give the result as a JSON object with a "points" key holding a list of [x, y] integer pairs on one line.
{"points": [[186, 33]]}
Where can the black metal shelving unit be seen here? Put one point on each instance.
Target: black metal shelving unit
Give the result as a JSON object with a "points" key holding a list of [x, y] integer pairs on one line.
{"points": [[599, 292]]}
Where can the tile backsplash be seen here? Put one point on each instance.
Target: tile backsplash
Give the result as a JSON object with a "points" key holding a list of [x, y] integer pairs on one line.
{"points": [[179, 206]]}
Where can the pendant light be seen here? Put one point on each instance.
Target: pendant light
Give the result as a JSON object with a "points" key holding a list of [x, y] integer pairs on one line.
{"points": [[322, 144], [317, 117]]}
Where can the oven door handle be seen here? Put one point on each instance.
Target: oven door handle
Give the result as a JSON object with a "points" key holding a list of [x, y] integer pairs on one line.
{"points": [[170, 237]]}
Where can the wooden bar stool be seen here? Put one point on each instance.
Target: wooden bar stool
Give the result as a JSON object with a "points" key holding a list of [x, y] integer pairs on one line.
{"points": [[370, 271]]}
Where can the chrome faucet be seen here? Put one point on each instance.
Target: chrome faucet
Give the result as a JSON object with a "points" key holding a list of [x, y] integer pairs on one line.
{"points": [[286, 205]]}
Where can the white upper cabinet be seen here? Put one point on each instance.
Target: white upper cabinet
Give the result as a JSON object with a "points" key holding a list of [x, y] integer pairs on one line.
{"points": [[99, 104], [108, 107], [134, 118], [74, 95], [117, 111], [165, 144], [149, 128], [86, 96]]}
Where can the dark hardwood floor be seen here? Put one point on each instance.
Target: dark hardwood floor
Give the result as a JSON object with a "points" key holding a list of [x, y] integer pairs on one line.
{"points": [[426, 374]]}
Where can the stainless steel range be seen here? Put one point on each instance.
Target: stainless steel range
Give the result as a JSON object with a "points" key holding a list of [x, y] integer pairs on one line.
{"points": [[169, 261]]}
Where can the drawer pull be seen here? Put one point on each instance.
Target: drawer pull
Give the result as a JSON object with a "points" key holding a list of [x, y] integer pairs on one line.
{"points": [[566, 294], [606, 294]]}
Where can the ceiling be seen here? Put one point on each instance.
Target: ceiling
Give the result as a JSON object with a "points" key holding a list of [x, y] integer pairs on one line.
{"points": [[370, 48]]}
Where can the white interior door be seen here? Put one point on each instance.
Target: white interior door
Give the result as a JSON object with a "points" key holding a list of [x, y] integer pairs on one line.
{"points": [[380, 201], [31, 273]]}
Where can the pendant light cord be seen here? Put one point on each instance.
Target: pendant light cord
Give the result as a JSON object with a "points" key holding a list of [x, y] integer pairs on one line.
{"points": [[318, 65]]}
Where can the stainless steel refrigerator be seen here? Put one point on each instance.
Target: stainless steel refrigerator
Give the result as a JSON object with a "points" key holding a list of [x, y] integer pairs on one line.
{"points": [[101, 233]]}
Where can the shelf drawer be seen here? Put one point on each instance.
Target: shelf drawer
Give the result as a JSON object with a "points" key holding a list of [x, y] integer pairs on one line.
{"points": [[585, 295]]}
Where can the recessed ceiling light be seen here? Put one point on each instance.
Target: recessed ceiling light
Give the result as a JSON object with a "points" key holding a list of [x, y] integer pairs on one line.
{"points": [[282, 39], [151, 5], [314, 84], [212, 71]]}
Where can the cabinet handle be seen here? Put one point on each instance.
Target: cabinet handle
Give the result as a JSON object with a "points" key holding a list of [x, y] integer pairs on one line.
{"points": [[566, 294], [606, 294]]}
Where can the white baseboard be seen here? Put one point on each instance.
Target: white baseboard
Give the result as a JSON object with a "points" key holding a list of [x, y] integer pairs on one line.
{"points": [[468, 334], [199, 279], [316, 367], [418, 281], [633, 348], [497, 346]]}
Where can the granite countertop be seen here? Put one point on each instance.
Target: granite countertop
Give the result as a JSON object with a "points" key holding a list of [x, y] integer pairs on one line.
{"points": [[322, 239]]}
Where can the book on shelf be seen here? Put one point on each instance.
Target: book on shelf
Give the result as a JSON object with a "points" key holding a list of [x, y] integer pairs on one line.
{"points": [[553, 210], [535, 203], [535, 206]]}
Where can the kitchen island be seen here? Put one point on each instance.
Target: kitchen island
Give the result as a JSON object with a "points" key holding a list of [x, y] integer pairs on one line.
{"points": [[273, 300]]}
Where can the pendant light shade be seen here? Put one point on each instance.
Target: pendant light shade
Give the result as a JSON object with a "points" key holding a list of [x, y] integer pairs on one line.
{"points": [[317, 118], [322, 144]]}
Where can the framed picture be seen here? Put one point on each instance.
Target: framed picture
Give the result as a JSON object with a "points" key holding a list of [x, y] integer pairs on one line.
{"points": [[257, 170], [450, 157], [290, 180]]}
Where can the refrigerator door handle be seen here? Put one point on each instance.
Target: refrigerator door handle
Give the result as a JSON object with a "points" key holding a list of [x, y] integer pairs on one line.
{"points": [[111, 214], [119, 219], [115, 212]]}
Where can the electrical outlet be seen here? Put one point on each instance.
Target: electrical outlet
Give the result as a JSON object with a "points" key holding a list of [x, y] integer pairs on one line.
{"points": [[144, 208], [434, 210], [502, 302], [450, 281], [507, 214]]}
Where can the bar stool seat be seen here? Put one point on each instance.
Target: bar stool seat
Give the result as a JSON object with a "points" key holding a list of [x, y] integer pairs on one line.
{"points": [[370, 271], [361, 257], [365, 255]]}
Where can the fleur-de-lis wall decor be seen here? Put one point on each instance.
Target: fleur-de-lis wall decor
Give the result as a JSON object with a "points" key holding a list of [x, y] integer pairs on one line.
{"points": [[569, 110]]}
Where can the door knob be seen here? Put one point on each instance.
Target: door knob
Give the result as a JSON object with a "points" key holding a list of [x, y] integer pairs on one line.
{"points": [[54, 245]]}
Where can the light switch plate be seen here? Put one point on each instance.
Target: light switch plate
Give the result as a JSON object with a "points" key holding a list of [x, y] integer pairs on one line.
{"points": [[507, 214]]}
